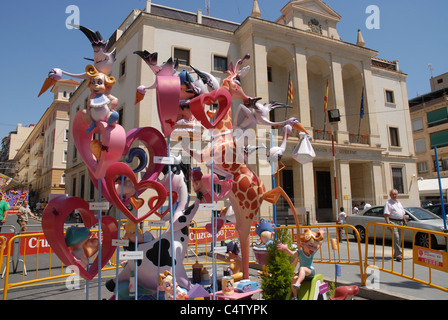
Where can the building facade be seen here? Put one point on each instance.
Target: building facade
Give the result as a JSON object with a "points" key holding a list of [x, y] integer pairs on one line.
{"points": [[429, 114], [372, 154], [42, 158], [10, 145]]}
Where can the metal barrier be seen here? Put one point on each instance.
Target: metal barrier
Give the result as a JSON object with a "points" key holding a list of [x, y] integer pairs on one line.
{"points": [[335, 252], [417, 261], [47, 266]]}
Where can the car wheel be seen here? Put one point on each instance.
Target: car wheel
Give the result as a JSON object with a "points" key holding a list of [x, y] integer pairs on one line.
{"points": [[362, 233], [422, 240]]}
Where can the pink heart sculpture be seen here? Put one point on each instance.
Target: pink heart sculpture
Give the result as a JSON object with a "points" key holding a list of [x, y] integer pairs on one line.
{"points": [[226, 187], [53, 219], [155, 144], [120, 169], [168, 96], [197, 106], [219, 224], [113, 140]]}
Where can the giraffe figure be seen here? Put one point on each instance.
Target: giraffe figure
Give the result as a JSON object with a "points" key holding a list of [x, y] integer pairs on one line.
{"points": [[247, 190]]}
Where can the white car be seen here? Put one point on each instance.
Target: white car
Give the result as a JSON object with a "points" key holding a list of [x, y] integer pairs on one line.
{"points": [[416, 217]]}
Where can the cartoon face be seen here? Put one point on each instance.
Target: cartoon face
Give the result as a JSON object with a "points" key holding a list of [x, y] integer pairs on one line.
{"points": [[98, 85], [312, 245]]}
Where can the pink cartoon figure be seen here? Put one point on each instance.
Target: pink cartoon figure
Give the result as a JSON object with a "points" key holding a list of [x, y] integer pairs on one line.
{"points": [[101, 104], [310, 243], [166, 285]]}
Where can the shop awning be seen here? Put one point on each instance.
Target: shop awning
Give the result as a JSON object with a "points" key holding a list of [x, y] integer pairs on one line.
{"points": [[431, 186]]}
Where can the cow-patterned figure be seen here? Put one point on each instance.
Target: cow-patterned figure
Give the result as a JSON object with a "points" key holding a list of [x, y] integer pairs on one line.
{"points": [[148, 267]]}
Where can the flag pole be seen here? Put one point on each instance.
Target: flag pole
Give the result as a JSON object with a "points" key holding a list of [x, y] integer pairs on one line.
{"points": [[325, 110]]}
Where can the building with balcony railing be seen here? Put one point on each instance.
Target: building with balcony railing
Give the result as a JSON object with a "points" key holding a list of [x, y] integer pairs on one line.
{"points": [[42, 157], [372, 154]]}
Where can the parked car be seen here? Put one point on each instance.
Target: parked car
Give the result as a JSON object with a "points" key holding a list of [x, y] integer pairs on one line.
{"points": [[437, 209], [417, 218]]}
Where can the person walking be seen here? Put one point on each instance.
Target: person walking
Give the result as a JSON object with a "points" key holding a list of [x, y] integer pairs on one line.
{"points": [[394, 214], [342, 220], [4, 207], [22, 216]]}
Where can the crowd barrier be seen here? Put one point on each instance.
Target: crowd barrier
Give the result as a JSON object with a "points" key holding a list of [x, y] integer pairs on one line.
{"points": [[33, 248], [419, 263]]}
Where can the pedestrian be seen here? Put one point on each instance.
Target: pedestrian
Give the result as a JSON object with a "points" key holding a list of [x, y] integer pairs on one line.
{"points": [[22, 216], [355, 208], [4, 207], [394, 214], [342, 219], [364, 206]]}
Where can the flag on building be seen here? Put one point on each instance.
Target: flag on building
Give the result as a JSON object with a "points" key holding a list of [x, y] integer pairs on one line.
{"points": [[290, 90], [326, 99], [361, 112]]}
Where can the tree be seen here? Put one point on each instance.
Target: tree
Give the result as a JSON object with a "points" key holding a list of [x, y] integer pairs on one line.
{"points": [[276, 281]]}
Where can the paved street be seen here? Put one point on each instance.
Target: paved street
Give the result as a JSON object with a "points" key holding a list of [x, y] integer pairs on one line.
{"points": [[388, 286]]}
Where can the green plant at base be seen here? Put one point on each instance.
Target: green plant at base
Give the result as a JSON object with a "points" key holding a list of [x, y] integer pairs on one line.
{"points": [[276, 281]]}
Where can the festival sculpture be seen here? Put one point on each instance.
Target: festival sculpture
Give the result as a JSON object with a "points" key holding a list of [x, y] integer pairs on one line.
{"points": [[183, 104]]}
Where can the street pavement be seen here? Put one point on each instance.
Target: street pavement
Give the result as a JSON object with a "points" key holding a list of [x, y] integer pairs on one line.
{"points": [[380, 286]]}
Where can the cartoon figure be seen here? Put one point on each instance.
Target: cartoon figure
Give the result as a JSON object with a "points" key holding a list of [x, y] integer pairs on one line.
{"points": [[310, 242], [101, 105], [103, 61], [81, 244], [266, 231], [235, 261], [166, 285], [157, 254]]}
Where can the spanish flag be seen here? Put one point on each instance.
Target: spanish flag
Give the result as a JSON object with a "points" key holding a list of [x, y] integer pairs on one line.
{"points": [[290, 90], [326, 99]]}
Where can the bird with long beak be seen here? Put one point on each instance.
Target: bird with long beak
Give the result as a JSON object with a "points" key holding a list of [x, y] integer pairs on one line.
{"points": [[262, 111], [103, 60], [169, 68], [276, 153]]}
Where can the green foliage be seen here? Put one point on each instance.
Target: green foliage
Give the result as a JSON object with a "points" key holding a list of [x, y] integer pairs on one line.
{"points": [[276, 282]]}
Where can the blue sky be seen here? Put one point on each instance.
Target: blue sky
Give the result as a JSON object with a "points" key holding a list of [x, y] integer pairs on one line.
{"points": [[35, 40]]}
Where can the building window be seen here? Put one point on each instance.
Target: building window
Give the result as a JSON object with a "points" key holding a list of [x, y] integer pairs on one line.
{"points": [[92, 191], [63, 178], [439, 81], [66, 135], [64, 156], [120, 116], [437, 117], [74, 187], [394, 137], [397, 179], [183, 56], [439, 139], [420, 145], [417, 124], [81, 195], [220, 63], [122, 68], [422, 167], [390, 98], [269, 74]]}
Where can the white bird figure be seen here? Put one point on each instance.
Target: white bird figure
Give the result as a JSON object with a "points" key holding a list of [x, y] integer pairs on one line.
{"points": [[276, 153]]}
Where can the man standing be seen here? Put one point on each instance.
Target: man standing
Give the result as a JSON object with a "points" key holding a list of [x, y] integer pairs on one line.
{"points": [[394, 214], [4, 207]]}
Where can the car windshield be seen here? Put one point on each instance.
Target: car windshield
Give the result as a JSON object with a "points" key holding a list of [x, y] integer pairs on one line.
{"points": [[422, 214]]}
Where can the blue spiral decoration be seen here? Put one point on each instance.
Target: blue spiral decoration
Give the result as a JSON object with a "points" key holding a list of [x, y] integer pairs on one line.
{"points": [[141, 156]]}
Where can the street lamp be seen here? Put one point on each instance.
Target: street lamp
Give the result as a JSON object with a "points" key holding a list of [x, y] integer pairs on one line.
{"points": [[334, 116]]}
